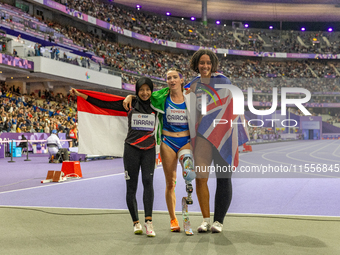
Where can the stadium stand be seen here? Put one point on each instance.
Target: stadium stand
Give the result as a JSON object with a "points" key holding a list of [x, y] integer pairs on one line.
{"points": [[83, 48]]}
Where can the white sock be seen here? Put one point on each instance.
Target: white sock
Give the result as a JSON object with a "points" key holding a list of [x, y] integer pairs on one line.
{"points": [[207, 220]]}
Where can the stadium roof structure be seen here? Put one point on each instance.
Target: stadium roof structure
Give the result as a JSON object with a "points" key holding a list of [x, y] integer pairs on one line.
{"points": [[251, 10]]}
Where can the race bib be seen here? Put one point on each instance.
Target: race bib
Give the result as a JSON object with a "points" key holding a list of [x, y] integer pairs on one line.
{"points": [[144, 122], [176, 117]]}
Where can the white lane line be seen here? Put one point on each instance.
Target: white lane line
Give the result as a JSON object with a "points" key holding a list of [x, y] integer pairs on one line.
{"points": [[250, 163], [335, 151], [59, 183], [310, 154], [287, 155], [263, 156], [53, 207], [287, 145], [67, 182], [232, 214], [87, 208], [280, 162], [305, 173]]}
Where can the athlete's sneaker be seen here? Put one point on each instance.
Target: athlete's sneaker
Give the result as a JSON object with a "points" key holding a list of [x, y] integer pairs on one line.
{"points": [[204, 227], [137, 228], [216, 227], [174, 226], [149, 229]]}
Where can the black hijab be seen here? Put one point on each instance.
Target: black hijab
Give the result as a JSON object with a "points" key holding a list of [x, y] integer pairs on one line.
{"points": [[143, 106]]}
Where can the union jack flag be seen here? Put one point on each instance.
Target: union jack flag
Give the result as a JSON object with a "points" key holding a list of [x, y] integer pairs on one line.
{"points": [[224, 135]]}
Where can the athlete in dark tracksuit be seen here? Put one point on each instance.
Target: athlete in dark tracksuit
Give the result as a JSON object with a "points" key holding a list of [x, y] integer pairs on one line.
{"points": [[139, 151]]}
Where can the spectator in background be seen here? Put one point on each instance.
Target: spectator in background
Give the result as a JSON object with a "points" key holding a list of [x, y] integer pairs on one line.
{"points": [[1, 124], [15, 53], [52, 52], [73, 134], [57, 52], [39, 128], [53, 144], [40, 50], [33, 129], [7, 126], [47, 129], [23, 129], [23, 144], [36, 49], [83, 61]]}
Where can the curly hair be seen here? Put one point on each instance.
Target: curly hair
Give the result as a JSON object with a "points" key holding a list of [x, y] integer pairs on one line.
{"points": [[198, 54]]}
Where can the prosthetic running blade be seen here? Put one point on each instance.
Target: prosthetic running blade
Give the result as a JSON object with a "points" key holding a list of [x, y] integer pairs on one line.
{"points": [[186, 221]]}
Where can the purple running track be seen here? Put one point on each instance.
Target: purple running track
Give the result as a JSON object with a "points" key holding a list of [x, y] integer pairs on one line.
{"points": [[103, 185]]}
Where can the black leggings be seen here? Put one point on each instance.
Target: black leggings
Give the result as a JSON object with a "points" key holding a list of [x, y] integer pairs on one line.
{"points": [[224, 190], [134, 159]]}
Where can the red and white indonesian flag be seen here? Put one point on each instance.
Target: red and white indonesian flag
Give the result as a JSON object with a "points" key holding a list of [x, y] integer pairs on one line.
{"points": [[101, 131]]}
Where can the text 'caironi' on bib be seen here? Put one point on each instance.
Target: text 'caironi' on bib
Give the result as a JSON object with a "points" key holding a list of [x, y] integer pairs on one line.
{"points": [[143, 121], [176, 116]]}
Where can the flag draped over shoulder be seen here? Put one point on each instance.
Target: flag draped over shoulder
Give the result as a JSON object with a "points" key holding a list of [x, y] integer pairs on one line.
{"points": [[101, 131], [224, 136]]}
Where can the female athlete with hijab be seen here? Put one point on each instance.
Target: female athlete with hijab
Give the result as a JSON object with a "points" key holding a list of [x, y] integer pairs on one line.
{"points": [[139, 150]]}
